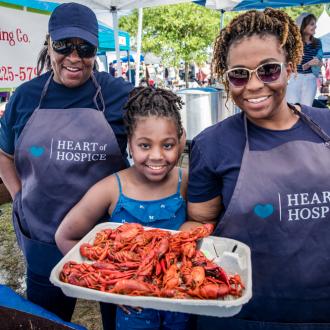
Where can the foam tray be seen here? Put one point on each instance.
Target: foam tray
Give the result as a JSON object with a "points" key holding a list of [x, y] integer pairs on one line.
{"points": [[218, 248]]}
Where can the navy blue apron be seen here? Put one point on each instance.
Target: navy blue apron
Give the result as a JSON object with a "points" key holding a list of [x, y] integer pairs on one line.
{"points": [[281, 209], [60, 154]]}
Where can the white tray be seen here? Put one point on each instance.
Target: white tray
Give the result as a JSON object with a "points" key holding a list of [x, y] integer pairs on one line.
{"points": [[232, 262]]}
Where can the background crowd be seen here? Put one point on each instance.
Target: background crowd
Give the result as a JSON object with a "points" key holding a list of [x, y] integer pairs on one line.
{"points": [[239, 169]]}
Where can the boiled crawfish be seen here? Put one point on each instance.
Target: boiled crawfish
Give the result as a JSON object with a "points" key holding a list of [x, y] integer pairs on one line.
{"points": [[133, 261]]}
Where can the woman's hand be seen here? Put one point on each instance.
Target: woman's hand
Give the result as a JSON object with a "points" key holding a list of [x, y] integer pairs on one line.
{"points": [[8, 174], [201, 213], [312, 62], [316, 61]]}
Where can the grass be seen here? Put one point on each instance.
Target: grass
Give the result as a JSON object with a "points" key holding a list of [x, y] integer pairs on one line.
{"points": [[12, 272]]}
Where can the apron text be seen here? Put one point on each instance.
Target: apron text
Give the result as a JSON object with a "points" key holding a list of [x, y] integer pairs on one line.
{"points": [[80, 151], [299, 205]]}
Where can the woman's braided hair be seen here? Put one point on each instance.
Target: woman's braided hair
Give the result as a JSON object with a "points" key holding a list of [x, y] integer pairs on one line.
{"points": [[43, 61], [147, 102], [268, 22]]}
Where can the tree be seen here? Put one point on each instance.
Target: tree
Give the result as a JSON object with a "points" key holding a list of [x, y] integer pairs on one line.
{"points": [[185, 32], [182, 32], [294, 12]]}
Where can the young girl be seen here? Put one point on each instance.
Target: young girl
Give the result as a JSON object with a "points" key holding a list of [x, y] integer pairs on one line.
{"points": [[302, 87], [151, 192]]}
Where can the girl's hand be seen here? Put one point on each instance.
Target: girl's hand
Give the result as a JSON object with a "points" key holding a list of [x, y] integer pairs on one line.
{"points": [[127, 311]]}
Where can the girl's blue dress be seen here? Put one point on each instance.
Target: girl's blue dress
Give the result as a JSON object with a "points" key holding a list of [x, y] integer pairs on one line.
{"points": [[168, 213]]}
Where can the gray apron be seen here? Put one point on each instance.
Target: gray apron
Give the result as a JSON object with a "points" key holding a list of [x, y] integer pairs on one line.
{"points": [[281, 208], [60, 154]]}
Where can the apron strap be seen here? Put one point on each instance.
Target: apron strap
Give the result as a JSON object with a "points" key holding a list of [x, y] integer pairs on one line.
{"points": [[98, 93], [44, 90], [247, 146], [312, 124]]}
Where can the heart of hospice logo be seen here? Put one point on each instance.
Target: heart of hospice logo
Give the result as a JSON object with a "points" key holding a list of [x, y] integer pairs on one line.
{"points": [[36, 151], [263, 210]]}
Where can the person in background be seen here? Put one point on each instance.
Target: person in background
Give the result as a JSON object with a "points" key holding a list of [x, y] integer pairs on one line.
{"points": [[160, 75], [61, 132], [147, 75], [152, 192], [171, 75], [302, 86], [131, 72], [112, 70], [201, 76], [4, 96], [327, 70], [262, 177], [166, 77], [3, 101], [123, 70]]}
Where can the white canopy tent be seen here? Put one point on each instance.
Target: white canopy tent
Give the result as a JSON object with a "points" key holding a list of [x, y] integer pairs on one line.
{"points": [[114, 6], [323, 31]]}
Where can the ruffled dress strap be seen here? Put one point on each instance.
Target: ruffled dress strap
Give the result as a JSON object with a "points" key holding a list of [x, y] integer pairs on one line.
{"points": [[168, 212], [119, 184], [179, 181]]}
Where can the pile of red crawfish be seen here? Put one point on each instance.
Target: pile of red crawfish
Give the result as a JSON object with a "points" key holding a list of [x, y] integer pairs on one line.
{"points": [[133, 261]]}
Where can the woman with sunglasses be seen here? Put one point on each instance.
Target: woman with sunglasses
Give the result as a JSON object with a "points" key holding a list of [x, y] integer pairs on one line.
{"points": [[262, 176], [64, 132], [302, 86]]}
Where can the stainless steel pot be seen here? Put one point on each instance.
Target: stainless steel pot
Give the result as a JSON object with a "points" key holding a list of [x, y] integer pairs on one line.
{"points": [[204, 107]]}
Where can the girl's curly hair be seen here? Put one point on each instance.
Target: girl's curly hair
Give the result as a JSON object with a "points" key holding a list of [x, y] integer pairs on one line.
{"points": [[148, 101]]}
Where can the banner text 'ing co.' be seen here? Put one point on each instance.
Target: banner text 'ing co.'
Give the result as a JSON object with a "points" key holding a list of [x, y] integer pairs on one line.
{"points": [[22, 35]]}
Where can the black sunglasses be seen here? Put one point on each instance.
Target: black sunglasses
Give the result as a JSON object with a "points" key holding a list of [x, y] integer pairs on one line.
{"points": [[267, 73], [66, 47]]}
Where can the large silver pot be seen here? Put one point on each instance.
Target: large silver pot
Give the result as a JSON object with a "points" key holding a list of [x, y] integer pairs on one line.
{"points": [[204, 107]]}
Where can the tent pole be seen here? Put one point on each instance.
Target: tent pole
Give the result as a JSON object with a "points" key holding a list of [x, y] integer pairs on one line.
{"points": [[222, 14], [106, 62], [113, 11], [129, 66], [138, 50]]}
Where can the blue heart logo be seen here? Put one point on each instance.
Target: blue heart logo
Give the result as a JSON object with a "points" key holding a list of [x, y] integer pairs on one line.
{"points": [[263, 210], [36, 151]]}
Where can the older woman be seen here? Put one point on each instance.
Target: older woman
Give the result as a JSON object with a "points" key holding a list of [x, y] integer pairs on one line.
{"points": [[63, 131], [263, 177]]}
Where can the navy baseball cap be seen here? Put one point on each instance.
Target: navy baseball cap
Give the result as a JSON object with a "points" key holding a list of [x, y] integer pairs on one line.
{"points": [[73, 20]]}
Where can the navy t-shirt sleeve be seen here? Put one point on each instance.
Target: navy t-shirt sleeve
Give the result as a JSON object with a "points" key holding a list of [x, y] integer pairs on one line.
{"points": [[7, 134], [203, 184]]}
